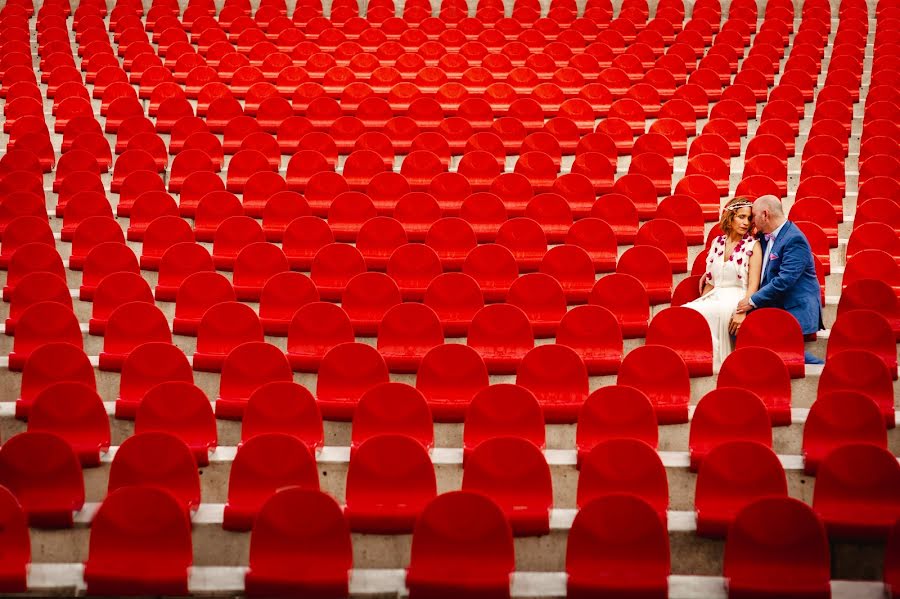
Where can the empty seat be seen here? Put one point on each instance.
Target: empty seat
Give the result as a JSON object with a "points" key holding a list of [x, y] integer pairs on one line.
{"points": [[687, 332], [452, 239], [857, 492], [863, 372], [503, 410], [300, 544], [390, 480], [494, 268], [733, 475], [378, 238], [617, 546], [866, 330], [413, 266], [652, 268], [455, 298], [761, 370], [777, 330], [662, 375], [75, 413], [254, 265], [594, 333], [558, 378], [223, 327], [48, 364], [157, 459], [265, 464], [449, 376], [140, 544], [624, 466], [346, 372], [44, 474], [114, 290], [177, 263], [148, 365], [525, 238], [444, 563], [281, 296], [17, 544], [283, 407], [667, 236], [727, 414], [502, 335], [872, 264], [573, 269], [392, 409], [105, 259], [246, 368], [598, 239], [405, 333], [314, 329], [332, 268], [233, 235], [542, 299], [613, 412], [840, 418], [626, 297], [181, 409], [129, 326], [367, 298], [777, 546], [196, 294], [513, 472]]}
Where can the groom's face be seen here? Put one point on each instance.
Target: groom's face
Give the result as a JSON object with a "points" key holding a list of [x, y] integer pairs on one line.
{"points": [[761, 219]]}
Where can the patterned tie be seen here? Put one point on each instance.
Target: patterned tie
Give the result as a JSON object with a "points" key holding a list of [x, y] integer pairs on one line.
{"points": [[769, 236]]}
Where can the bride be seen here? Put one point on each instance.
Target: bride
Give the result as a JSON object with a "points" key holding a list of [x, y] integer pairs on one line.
{"points": [[732, 274]]}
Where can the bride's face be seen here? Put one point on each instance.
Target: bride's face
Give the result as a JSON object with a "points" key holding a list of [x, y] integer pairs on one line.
{"points": [[743, 220]]}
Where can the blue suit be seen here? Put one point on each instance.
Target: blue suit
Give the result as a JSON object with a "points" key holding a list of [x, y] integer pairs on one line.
{"points": [[789, 281]]}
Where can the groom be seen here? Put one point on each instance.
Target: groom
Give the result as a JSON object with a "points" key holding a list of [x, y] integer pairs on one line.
{"points": [[788, 279]]}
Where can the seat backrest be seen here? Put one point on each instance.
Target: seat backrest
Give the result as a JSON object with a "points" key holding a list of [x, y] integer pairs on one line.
{"points": [[659, 372], [777, 330], [145, 367], [744, 368], [557, 376], [624, 466], [140, 542], [182, 409], [75, 413], [867, 330], [392, 409], [503, 410], [129, 326], [226, 325], [346, 372], [863, 372], [449, 377], [613, 412], [157, 459], [727, 414], [840, 418], [52, 363]]}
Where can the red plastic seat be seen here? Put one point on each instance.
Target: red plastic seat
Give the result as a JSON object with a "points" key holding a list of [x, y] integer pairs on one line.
{"points": [[300, 544], [840, 418], [871, 294], [503, 410], [667, 236], [481, 561], [624, 466], [862, 372], [455, 298], [196, 294], [281, 296], [114, 290], [413, 267], [872, 264], [777, 547], [40, 324], [233, 235], [314, 329], [366, 299], [558, 378], [23, 230], [223, 327], [406, 332], [513, 472], [139, 517], [626, 298], [662, 375], [160, 234], [865, 330], [378, 238], [542, 299], [254, 265], [34, 288], [595, 334], [157, 459], [774, 389], [494, 269], [727, 414], [246, 368], [333, 266], [28, 259], [75, 413], [778, 330], [104, 259], [733, 475], [526, 239], [129, 326], [449, 376], [452, 239], [614, 412], [346, 372], [178, 263], [392, 409], [283, 407], [617, 547], [502, 335], [652, 268], [48, 364], [145, 367], [687, 332], [390, 480], [856, 492], [44, 474], [598, 239], [573, 269], [181, 409], [265, 464]]}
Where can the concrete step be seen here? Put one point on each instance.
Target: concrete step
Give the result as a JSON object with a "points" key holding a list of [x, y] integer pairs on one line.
{"points": [[211, 581]]}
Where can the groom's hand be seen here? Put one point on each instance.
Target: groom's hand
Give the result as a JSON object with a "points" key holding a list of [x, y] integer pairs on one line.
{"points": [[735, 323], [744, 306]]}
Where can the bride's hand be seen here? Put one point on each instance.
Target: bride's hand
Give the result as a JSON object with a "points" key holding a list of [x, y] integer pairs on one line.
{"points": [[735, 323]]}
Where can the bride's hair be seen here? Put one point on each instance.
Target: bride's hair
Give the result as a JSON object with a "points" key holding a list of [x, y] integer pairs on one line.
{"points": [[728, 212]]}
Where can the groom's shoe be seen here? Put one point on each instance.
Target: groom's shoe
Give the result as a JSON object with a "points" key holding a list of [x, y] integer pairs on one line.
{"points": [[811, 359]]}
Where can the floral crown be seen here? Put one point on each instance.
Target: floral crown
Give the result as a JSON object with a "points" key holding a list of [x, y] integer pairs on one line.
{"points": [[739, 205]]}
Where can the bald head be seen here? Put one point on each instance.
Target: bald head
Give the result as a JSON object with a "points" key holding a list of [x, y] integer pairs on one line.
{"points": [[768, 213]]}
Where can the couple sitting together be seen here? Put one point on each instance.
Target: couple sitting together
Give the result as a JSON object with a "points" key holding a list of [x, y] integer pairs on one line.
{"points": [[762, 260]]}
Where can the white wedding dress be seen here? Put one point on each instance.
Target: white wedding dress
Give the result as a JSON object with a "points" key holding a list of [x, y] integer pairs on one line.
{"points": [[729, 280]]}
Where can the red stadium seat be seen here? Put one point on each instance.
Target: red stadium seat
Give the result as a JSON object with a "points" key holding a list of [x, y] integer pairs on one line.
{"points": [[542, 299], [644, 476], [572, 268], [346, 372], [871, 294], [197, 293], [48, 364], [865, 330], [300, 544], [856, 492], [39, 324], [617, 546], [114, 565], [392, 409], [377, 239], [104, 259], [44, 473], [626, 298], [503, 410], [525, 238], [594, 333], [405, 333], [727, 414], [840, 418], [145, 367], [734, 475], [662, 375], [247, 367], [181, 409], [333, 266], [367, 298], [598, 239], [233, 235], [514, 473], [872, 264], [652, 268], [862, 372], [764, 537], [494, 269], [75, 413], [223, 327], [129, 326], [687, 332], [45, 286], [449, 376], [314, 329], [777, 330], [157, 459], [281, 296], [480, 562], [413, 267], [283, 407], [775, 391], [614, 412], [558, 378]]}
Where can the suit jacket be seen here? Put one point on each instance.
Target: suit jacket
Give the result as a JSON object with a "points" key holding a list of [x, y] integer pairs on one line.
{"points": [[789, 281]]}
